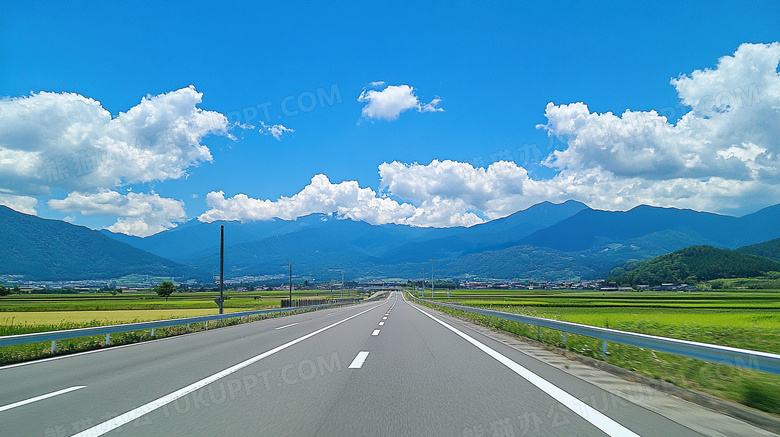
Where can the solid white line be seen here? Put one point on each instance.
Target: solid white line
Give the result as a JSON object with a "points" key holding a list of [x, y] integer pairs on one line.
{"points": [[357, 363], [381, 323], [286, 326], [595, 417], [95, 351], [133, 414], [41, 397], [376, 332]]}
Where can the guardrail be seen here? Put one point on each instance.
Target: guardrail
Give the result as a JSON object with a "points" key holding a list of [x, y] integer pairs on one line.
{"points": [[53, 336], [735, 357], [307, 301]]}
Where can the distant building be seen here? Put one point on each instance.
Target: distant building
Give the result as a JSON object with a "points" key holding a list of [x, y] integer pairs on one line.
{"points": [[674, 287]]}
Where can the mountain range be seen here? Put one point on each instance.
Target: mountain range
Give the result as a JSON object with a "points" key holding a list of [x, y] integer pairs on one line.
{"points": [[42, 249], [544, 242]]}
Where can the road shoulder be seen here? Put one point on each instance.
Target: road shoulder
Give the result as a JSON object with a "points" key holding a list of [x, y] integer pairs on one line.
{"points": [[694, 410]]}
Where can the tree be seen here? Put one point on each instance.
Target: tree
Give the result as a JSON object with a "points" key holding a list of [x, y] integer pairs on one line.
{"points": [[4, 291], [165, 289]]}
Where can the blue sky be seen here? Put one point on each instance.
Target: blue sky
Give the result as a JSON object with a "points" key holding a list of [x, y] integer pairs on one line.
{"points": [[384, 112]]}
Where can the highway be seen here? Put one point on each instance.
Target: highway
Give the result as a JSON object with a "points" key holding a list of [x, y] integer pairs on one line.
{"points": [[386, 368]]}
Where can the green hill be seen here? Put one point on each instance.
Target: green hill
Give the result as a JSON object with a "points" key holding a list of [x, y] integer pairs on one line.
{"points": [[693, 264], [769, 249], [43, 249]]}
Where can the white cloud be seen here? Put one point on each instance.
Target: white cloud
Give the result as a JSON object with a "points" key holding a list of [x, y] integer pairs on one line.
{"points": [[458, 186], [441, 194], [390, 102], [347, 199], [68, 141], [276, 130], [25, 204], [320, 196], [504, 188], [138, 214], [65, 141], [450, 193], [720, 155], [735, 107], [432, 106], [752, 68]]}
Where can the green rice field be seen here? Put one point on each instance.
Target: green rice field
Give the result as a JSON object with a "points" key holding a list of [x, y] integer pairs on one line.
{"points": [[148, 301]]}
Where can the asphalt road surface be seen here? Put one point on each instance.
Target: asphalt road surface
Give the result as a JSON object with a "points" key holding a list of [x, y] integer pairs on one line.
{"points": [[387, 368]]}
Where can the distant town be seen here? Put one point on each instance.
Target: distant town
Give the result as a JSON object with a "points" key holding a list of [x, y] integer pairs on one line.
{"points": [[280, 282]]}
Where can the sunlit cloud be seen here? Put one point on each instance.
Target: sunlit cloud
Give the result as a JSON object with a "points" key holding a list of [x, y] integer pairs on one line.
{"points": [[69, 142], [275, 129], [389, 102], [137, 214]]}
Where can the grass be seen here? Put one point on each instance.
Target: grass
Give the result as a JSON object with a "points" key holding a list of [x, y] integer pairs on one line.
{"points": [[148, 301], [737, 319]]}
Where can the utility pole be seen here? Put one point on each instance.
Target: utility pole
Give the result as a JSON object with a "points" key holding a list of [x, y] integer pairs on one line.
{"points": [[221, 265], [422, 285], [291, 285], [342, 279], [432, 278]]}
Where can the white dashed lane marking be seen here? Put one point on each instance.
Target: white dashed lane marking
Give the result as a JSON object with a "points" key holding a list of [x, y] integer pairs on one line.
{"points": [[359, 360], [41, 397]]}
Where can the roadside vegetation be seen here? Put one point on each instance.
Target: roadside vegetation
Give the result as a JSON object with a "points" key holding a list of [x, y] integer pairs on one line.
{"points": [[748, 320], [33, 351], [149, 300], [29, 313]]}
